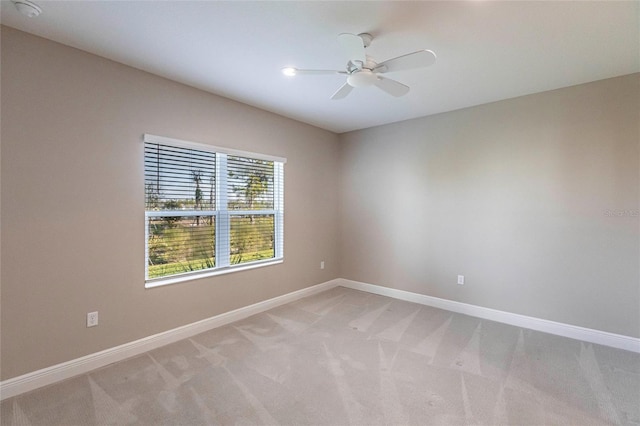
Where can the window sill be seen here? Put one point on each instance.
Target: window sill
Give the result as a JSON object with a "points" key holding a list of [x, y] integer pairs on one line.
{"points": [[198, 275]]}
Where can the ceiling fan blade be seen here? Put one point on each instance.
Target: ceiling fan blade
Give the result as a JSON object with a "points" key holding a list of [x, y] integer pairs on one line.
{"points": [[317, 72], [291, 72], [419, 59], [342, 92], [392, 87], [353, 47]]}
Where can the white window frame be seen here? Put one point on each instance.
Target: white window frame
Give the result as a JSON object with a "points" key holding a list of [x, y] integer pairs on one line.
{"points": [[222, 214]]}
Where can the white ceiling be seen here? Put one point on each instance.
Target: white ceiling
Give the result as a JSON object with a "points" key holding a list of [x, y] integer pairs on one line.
{"points": [[487, 50]]}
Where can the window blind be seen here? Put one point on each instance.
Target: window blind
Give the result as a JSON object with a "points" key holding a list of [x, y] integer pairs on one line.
{"points": [[179, 178], [208, 210]]}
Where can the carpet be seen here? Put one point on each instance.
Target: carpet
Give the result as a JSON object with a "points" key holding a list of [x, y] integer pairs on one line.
{"points": [[345, 357]]}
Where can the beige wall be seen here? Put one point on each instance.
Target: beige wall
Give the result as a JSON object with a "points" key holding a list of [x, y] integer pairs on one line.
{"points": [[513, 195], [73, 202]]}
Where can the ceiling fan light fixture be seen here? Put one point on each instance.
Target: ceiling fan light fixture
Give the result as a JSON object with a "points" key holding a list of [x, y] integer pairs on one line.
{"points": [[362, 78], [27, 8], [289, 71]]}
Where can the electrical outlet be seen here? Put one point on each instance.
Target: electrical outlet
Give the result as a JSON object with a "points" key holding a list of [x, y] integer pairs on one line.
{"points": [[322, 264], [92, 319], [461, 279]]}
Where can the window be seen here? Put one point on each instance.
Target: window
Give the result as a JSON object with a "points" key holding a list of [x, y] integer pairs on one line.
{"points": [[209, 210]]}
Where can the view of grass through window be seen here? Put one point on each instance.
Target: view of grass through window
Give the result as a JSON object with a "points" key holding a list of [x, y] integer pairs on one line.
{"points": [[180, 244], [251, 238]]}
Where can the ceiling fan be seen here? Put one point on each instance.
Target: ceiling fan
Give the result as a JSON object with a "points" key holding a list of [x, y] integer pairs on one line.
{"points": [[362, 70]]}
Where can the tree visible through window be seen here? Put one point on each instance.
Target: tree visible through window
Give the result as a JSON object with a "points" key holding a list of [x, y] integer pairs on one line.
{"points": [[209, 210]]}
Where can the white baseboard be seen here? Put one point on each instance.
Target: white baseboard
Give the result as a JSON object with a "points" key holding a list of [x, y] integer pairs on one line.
{"points": [[566, 330], [46, 376]]}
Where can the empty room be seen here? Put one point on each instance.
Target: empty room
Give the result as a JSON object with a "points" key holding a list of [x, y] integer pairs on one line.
{"points": [[319, 212]]}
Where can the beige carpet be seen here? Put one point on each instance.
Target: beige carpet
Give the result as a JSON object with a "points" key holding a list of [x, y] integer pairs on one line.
{"points": [[348, 357]]}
